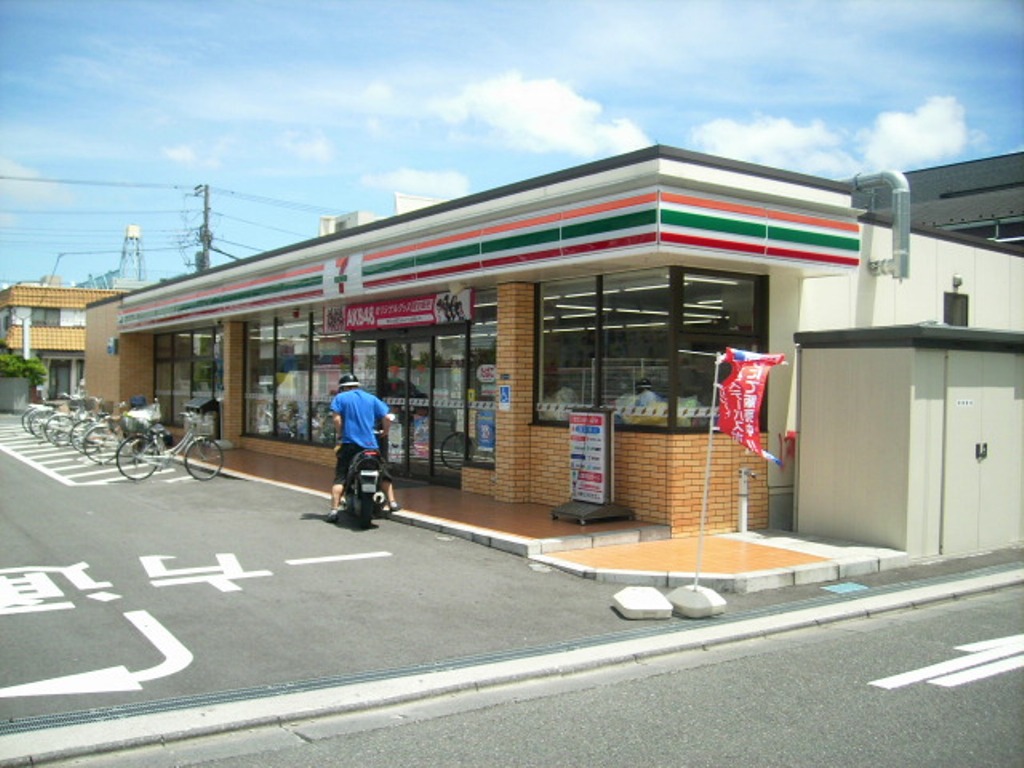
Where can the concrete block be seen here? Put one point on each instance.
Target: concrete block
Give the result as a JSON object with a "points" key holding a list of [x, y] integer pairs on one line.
{"points": [[857, 567], [637, 578], [573, 569], [567, 544], [642, 603], [891, 559], [815, 573], [514, 546], [613, 538], [655, 533], [759, 581], [719, 582], [696, 602]]}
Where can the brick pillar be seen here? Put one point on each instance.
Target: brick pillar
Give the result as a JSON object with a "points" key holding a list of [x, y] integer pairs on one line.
{"points": [[515, 369], [232, 409], [136, 376]]}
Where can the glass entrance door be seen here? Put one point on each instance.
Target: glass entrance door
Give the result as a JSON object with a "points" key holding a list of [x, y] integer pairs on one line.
{"points": [[425, 388]]}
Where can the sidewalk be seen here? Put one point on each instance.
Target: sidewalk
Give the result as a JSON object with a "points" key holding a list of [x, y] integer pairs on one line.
{"points": [[626, 552]]}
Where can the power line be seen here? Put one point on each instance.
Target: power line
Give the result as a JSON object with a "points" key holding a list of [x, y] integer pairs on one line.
{"points": [[38, 212], [151, 185], [272, 201], [93, 183]]}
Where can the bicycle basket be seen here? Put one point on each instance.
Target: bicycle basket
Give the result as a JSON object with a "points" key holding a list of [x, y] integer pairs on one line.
{"points": [[200, 423], [140, 419]]}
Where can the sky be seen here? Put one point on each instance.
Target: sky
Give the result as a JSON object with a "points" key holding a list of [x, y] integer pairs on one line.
{"points": [[120, 112]]}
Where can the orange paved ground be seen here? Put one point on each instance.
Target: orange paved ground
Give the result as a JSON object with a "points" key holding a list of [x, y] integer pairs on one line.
{"points": [[533, 521], [727, 556]]}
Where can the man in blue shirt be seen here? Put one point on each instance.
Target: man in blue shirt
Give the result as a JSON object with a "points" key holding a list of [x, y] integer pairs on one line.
{"points": [[356, 413]]}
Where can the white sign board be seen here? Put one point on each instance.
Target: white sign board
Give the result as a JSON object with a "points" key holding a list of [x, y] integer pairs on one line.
{"points": [[590, 456]]}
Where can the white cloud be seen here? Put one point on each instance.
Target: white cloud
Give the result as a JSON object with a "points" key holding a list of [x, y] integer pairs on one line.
{"points": [[935, 131], [445, 185], [191, 157], [777, 142], [20, 190], [314, 147], [539, 116]]}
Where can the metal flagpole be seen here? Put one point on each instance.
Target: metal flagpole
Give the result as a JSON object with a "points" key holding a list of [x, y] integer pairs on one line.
{"points": [[707, 473]]}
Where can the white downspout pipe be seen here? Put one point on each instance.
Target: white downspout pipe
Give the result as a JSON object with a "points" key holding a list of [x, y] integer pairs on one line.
{"points": [[899, 265]]}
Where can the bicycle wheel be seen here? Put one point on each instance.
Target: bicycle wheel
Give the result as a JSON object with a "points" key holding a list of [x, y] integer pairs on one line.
{"points": [[57, 429], [78, 431], [100, 443], [137, 457], [28, 415], [36, 420], [204, 458], [453, 450]]}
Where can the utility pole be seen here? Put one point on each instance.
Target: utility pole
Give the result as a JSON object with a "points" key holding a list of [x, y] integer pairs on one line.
{"points": [[205, 235]]}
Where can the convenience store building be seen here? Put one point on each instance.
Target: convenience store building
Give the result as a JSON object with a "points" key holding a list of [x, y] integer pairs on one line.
{"points": [[485, 321]]}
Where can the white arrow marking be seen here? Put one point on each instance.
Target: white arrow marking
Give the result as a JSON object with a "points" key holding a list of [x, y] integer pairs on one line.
{"points": [[980, 654], [176, 658]]}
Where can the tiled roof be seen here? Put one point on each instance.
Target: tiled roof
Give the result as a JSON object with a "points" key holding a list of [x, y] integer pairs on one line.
{"points": [[45, 296], [48, 338]]}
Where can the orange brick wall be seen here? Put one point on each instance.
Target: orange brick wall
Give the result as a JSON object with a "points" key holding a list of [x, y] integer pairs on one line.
{"points": [[102, 370], [314, 454], [515, 369], [136, 377], [232, 410], [660, 477], [477, 480]]}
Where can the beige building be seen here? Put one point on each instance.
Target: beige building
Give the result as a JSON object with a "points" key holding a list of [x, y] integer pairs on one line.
{"points": [[49, 322]]}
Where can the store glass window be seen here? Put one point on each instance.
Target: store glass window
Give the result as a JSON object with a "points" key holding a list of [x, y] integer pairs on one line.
{"points": [[331, 357], [186, 366], [568, 347], [291, 368], [482, 391], [364, 365], [635, 323], [259, 378], [718, 311], [644, 343]]}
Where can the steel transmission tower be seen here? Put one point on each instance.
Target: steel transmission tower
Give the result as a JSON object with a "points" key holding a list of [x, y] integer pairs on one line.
{"points": [[132, 262]]}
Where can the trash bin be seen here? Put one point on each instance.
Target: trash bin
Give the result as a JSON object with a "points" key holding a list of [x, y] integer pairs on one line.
{"points": [[206, 410]]}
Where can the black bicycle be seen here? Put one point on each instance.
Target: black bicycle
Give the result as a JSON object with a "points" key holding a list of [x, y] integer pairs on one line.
{"points": [[454, 450]]}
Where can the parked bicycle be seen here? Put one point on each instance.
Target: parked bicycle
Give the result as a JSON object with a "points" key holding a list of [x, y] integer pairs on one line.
{"points": [[59, 427], [101, 439], [141, 454]]}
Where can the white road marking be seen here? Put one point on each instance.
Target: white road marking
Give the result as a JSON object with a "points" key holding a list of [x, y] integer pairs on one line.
{"points": [[337, 558], [980, 654], [176, 658]]}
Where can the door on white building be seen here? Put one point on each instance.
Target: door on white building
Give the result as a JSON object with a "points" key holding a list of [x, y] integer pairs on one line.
{"points": [[983, 503]]}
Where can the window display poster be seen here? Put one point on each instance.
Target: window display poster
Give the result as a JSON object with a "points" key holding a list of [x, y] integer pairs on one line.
{"points": [[590, 456], [485, 431]]}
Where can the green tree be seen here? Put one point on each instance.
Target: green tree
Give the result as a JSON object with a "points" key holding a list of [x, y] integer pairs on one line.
{"points": [[17, 367]]}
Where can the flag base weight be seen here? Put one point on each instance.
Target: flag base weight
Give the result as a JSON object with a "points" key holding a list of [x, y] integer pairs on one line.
{"points": [[695, 602]]}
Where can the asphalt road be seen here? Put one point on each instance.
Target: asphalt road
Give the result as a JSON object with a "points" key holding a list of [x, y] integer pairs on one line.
{"points": [[401, 595], [809, 698]]}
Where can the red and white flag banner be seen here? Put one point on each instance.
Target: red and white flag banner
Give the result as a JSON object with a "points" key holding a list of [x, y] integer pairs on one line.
{"points": [[740, 396]]}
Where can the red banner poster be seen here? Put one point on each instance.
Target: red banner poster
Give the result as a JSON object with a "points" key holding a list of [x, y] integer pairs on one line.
{"points": [[740, 398]]}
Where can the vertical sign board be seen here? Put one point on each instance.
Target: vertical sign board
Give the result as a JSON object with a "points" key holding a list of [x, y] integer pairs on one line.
{"points": [[590, 456]]}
